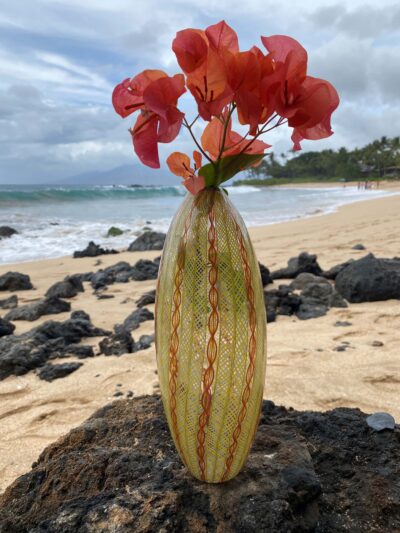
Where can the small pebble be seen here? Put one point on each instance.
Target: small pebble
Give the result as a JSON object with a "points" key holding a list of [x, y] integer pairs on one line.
{"points": [[381, 421], [340, 348], [129, 394], [118, 385], [118, 393], [377, 343], [343, 323]]}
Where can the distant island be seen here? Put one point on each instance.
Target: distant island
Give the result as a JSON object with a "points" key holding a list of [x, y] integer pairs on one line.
{"points": [[375, 161]]}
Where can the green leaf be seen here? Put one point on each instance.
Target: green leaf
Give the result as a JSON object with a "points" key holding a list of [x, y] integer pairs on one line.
{"points": [[228, 167]]}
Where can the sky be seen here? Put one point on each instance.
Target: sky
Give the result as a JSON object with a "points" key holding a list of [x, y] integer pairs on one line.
{"points": [[60, 59]]}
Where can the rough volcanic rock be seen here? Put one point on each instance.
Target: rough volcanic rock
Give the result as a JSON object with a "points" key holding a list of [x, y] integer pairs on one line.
{"points": [[81, 351], [144, 342], [9, 303], [324, 293], [146, 299], [305, 262], [134, 320], [265, 275], [68, 288], [304, 279], [314, 301], [370, 279], [123, 272], [50, 372], [33, 311], [6, 327], [119, 471], [93, 250], [7, 231], [122, 342], [281, 301], [144, 269], [334, 271], [149, 240], [118, 343], [21, 353], [311, 308], [85, 276], [15, 281]]}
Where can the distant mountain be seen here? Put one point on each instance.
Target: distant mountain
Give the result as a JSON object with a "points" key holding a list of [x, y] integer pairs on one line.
{"points": [[123, 175]]}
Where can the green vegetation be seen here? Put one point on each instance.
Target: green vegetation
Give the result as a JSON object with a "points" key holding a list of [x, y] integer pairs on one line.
{"points": [[377, 160]]}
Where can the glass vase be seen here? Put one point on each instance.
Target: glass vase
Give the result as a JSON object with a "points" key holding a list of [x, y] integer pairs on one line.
{"points": [[210, 336]]}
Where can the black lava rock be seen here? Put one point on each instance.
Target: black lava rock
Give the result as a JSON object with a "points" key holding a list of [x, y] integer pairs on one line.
{"points": [[7, 231], [144, 269], [68, 288], [149, 240], [370, 279], [9, 303], [6, 327], [146, 299], [307, 471], [31, 312], [21, 353], [305, 262], [134, 320], [51, 372], [334, 271], [265, 275], [358, 247], [306, 278], [119, 343], [144, 342], [15, 281], [93, 250], [311, 308], [281, 301]]}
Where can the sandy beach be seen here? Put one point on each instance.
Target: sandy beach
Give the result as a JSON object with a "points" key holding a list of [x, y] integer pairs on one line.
{"points": [[304, 370]]}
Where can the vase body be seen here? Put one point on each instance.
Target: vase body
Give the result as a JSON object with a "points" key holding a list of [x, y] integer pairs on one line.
{"points": [[210, 336]]}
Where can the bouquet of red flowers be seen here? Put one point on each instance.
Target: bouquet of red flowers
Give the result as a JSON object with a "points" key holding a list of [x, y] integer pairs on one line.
{"points": [[265, 90]]}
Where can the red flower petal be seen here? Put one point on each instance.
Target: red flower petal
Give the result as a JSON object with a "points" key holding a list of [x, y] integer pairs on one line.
{"points": [[144, 136], [194, 184], [179, 164], [124, 101], [222, 37], [190, 47]]}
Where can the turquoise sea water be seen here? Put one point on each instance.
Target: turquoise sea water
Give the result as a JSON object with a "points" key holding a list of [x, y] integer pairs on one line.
{"points": [[55, 221]]}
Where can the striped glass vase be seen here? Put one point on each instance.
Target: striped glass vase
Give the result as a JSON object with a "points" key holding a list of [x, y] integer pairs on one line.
{"points": [[210, 336]]}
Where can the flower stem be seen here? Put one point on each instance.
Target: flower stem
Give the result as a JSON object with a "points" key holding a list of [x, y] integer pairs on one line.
{"points": [[189, 127]]}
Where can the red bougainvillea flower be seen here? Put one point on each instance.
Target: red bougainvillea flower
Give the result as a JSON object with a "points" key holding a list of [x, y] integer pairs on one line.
{"points": [[155, 94], [179, 164], [245, 75], [213, 136], [203, 56], [266, 90], [307, 103]]}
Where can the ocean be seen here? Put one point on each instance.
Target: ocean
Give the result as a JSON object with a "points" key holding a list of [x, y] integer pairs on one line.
{"points": [[55, 221]]}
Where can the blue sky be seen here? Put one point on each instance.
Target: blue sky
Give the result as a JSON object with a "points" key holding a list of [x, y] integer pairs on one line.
{"points": [[59, 61]]}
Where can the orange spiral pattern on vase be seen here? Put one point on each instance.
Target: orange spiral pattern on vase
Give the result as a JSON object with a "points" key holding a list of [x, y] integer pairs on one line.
{"points": [[174, 342], [252, 354], [212, 349]]}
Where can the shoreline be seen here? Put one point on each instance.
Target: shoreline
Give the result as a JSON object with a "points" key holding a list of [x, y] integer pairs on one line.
{"points": [[393, 188], [304, 370]]}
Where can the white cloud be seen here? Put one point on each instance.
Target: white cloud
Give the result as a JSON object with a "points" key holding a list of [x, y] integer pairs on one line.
{"points": [[60, 59]]}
